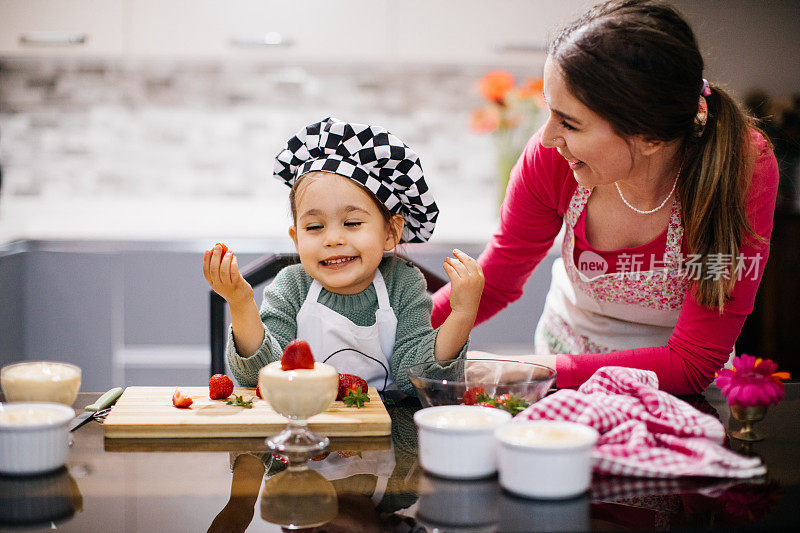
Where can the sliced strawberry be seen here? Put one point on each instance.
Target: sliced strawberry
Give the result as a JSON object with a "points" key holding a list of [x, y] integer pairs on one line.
{"points": [[224, 248], [181, 400], [513, 403], [258, 391], [344, 454], [471, 396], [220, 387], [502, 399], [348, 383], [321, 457], [297, 355]]}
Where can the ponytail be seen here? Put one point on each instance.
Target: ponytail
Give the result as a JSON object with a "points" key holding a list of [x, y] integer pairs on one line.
{"points": [[713, 194]]}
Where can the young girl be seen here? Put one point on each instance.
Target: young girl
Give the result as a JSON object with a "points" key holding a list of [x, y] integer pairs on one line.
{"points": [[356, 192]]}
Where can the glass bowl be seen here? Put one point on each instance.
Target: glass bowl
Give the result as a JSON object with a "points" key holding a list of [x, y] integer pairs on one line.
{"points": [[445, 384]]}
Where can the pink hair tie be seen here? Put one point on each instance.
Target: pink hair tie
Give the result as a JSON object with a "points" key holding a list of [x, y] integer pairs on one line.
{"points": [[706, 90], [701, 118]]}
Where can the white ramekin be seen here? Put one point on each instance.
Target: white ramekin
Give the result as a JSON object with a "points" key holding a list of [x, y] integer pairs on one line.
{"points": [[456, 503], [558, 469], [458, 452], [35, 448]]}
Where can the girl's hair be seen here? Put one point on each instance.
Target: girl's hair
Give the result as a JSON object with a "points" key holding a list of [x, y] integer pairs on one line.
{"points": [[637, 65], [385, 213]]}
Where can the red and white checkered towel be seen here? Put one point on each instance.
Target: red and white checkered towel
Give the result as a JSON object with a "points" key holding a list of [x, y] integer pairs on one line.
{"points": [[644, 432]]}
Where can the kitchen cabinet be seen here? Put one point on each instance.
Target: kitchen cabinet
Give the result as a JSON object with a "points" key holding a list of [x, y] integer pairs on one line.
{"points": [[62, 27], [503, 32], [257, 29], [476, 31]]}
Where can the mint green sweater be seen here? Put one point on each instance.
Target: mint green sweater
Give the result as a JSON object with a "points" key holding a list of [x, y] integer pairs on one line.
{"points": [[414, 339]]}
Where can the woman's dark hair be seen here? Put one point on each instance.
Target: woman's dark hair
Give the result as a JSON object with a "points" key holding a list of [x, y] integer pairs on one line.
{"points": [[636, 64]]}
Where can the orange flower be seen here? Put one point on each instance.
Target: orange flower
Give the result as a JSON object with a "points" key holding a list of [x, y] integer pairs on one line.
{"points": [[484, 119], [494, 86], [531, 88]]}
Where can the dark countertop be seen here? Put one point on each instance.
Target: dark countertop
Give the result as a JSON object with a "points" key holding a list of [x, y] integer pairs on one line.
{"points": [[224, 485]]}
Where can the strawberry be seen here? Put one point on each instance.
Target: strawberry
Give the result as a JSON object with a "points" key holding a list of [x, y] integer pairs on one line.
{"points": [[297, 355], [258, 391], [471, 396], [349, 383], [280, 458], [513, 403], [502, 399], [179, 400], [224, 248], [220, 387], [321, 457], [344, 454]]}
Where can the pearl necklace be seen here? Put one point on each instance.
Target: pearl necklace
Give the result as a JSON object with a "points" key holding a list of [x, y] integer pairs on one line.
{"points": [[649, 211]]}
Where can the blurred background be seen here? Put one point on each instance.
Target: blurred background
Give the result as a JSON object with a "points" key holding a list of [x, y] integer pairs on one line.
{"points": [[136, 133]]}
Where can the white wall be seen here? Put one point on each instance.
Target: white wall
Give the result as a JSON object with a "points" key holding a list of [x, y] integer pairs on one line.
{"points": [[748, 44]]}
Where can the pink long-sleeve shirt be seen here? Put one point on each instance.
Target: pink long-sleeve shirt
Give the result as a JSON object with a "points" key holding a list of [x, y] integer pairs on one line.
{"points": [[538, 195]]}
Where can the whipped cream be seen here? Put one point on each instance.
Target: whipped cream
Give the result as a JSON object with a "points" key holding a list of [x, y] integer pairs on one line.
{"points": [[30, 416], [42, 381], [301, 393], [546, 435], [461, 419]]}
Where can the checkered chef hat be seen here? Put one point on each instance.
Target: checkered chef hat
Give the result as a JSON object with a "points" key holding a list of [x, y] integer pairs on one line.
{"points": [[372, 157]]}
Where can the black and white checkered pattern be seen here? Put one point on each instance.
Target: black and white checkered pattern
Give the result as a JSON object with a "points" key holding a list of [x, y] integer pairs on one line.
{"points": [[372, 157]]}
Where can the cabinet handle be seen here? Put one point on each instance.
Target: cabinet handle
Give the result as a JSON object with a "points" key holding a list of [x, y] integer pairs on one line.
{"points": [[52, 38], [268, 39], [510, 47]]}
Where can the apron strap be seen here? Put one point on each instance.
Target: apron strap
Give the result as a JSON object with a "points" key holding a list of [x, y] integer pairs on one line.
{"points": [[380, 290], [313, 292]]}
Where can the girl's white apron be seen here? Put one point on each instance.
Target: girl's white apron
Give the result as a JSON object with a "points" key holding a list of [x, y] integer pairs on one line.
{"points": [[378, 463], [361, 350], [616, 311]]}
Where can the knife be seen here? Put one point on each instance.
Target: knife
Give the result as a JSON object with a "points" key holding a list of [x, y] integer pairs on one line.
{"points": [[89, 411]]}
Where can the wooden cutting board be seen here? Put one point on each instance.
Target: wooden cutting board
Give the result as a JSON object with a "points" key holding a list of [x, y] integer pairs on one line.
{"points": [[147, 412]]}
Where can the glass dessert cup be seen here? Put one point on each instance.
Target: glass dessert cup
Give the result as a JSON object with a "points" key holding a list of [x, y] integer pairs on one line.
{"points": [[298, 395], [297, 499]]}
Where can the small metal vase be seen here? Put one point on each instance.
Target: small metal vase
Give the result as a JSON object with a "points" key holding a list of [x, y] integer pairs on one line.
{"points": [[748, 416]]}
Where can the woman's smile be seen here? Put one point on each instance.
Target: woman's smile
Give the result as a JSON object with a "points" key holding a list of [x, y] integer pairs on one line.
{"points": [[574, 164]]}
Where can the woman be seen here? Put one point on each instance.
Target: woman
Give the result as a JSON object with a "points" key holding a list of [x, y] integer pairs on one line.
{"points": [[666, 191]]}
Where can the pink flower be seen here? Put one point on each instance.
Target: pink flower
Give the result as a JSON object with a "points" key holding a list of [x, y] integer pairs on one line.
{"points": [[752, 381]]}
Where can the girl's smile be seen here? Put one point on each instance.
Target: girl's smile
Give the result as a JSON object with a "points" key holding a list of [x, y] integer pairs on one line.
{"points": [[340, 233], [338, 262]]}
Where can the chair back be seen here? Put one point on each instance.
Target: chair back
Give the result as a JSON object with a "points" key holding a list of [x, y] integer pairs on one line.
{"points": [[255, 274]]}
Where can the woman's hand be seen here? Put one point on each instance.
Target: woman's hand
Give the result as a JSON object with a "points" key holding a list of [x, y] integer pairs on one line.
{"points": [[477, 371], [466, 280], [222, 273]]}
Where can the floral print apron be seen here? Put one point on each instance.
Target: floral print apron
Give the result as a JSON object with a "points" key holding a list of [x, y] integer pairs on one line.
{"points": [[614, 311]]}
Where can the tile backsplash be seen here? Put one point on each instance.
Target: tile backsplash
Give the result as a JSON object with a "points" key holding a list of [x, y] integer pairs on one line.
{"points": [[204, 129]]}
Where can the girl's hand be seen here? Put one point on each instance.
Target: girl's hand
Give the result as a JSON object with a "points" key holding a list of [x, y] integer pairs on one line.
{"points": [[466, 280], [222, 273]]}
